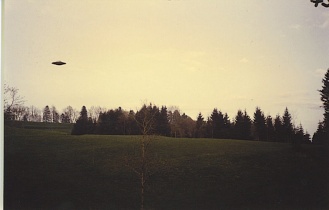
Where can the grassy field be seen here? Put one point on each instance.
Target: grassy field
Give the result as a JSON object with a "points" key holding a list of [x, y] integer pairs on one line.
{"points": [[46, 168]]}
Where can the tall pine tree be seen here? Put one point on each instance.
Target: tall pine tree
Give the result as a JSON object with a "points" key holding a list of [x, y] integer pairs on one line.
{"points": [[242, 126], [319, 136], [270, 128], [83, 114], [217, 124], [324, 92], [83, 125], [227, 127], [278, 129], [287, 126], [259, 124], [163, 126]]}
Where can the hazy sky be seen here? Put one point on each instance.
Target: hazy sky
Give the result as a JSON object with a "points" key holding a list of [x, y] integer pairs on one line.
{"points": [[197, 55]]}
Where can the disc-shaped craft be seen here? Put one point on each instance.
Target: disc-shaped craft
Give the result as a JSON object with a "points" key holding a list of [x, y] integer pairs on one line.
{"points": [[59, 63]]}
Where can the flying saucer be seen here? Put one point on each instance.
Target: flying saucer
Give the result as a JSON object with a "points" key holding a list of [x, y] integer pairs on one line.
{"points": [[58, 63]]}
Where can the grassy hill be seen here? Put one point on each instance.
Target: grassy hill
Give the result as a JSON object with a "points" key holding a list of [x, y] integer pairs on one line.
{"points": [[61, 127], [45, 168]]}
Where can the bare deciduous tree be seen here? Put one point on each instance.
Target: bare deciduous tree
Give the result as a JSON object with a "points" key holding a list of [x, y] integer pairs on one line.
{"points": [[12, 102], [20, 113], [11, 97], [94, 112], [71, 114], [145, 119], [34, 114]]}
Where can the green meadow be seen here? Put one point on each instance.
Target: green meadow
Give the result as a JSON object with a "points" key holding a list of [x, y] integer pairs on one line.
{"points": [[47, 168]]}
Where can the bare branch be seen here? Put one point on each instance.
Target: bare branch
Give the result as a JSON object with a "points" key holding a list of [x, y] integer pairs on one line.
{"points": [[11, 97]]}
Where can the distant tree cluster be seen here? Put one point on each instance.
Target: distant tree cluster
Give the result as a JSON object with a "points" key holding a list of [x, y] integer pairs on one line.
{"points": [[260, 128], [48, 114], [14, 109], [172, 123], [120, 122]]}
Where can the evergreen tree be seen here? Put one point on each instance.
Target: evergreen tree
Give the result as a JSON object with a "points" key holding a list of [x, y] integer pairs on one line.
{"points": [[83, 125], [227, 127], [163, 126], [131, 125], [121, 116], [287, 126], [324, 92], [259, 124], [307, 138], [112, 122], [208, 129], [242, 126], [319, 137], [278, 129], [217, 124], [270, 128], [247, 126], [83, 114], [238, 125], [102, 124], [46, 114], [200, 127], [298, 135]]}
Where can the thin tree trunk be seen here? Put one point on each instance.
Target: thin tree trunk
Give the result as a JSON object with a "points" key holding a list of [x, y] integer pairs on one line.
{"points": [[143, 172], [142, 190]]}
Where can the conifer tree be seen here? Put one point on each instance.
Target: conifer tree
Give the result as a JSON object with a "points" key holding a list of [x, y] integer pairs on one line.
{"points": [[298, 135], [46, 114], [270, 128], [259, 125], [278, 129], [324, 92], [319, 136], [247, 125], [227, 127], [217, 124], [83, 114], [242, 126], [163, 125], [199, 129], [287, 126], [131, 124], [83, 125]]}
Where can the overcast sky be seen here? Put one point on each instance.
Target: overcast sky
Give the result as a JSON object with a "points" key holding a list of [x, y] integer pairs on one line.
{"points": [[197, 55]]}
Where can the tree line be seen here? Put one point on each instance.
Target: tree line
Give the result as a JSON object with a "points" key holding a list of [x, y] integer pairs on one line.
{"points": [[174, 124], [217, 125], [170, 122]]}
